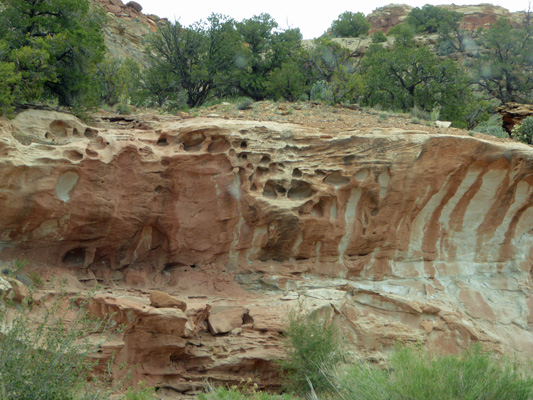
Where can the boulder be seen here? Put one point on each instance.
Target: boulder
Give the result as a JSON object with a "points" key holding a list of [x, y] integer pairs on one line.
{"points": [[20, 290], [5, 286], [223, 319], [114, 10], [139, 317], [443, 124], [513, 114], [136, 6], [160, 299]]}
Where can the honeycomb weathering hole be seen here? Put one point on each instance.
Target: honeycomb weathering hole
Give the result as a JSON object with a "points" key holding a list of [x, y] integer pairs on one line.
{"points": [[300, 190], [336, 179], [74, 257], [193, 141], [73, 155], [265, 160], [362, 174], [59, 128], [261, 171], [91, 153], [90, 133], [269, 191], [65, 183], [219, 144], [318, 208], [162, 141]]}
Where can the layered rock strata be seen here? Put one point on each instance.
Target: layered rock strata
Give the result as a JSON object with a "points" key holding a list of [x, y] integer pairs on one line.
{"points": [[400, 235]]}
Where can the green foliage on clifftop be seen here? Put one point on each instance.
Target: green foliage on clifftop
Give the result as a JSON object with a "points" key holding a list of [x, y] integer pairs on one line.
{"points": [[53, 52], [54, 47]]}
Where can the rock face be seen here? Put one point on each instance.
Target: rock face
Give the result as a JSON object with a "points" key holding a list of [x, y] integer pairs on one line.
{"points": [[475, 16], [384, 18], [126, 29], [174, 350], [401, 235], [513, 114]]}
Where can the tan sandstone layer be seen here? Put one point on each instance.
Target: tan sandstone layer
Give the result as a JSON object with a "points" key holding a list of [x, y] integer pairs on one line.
{"points": [[398, 234]]}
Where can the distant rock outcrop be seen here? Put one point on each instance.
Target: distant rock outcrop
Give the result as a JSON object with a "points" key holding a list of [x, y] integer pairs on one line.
{"points": [[384, 18], [126, 29], [475, 16], [136, 6], [514, 113]]}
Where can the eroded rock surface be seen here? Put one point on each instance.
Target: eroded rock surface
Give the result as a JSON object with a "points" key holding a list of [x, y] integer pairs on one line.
{"points": [[384, 18], [513, 114], [398, 234]]}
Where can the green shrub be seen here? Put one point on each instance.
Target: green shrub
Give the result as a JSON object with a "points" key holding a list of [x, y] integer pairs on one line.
{"points": [[419, 113], [379, 37], [123, 109], [233, 393], [524, 132], [383, 116], [46, 358], [414, 374], [435, 113], [492, 126], [36, 279], [245, 104], [143, 392], [287, 82], [350, 24], [446, 47], [119, 82], [319, 91], [312, 346], [55, 46], [8, 80], [433, 19]]}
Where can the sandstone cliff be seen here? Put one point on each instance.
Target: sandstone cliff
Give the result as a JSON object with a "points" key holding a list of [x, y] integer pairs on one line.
{"points": [[126, 29], [399, 234]]}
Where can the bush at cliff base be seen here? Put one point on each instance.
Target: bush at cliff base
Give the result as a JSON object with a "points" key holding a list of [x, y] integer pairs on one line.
{"points": [[318, 366], [524, 132], [43, 359], [313, 345], [415, 374]]}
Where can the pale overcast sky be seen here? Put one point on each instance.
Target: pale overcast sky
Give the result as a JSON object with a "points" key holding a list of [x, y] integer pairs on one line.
{"points": [[313, 18]]}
